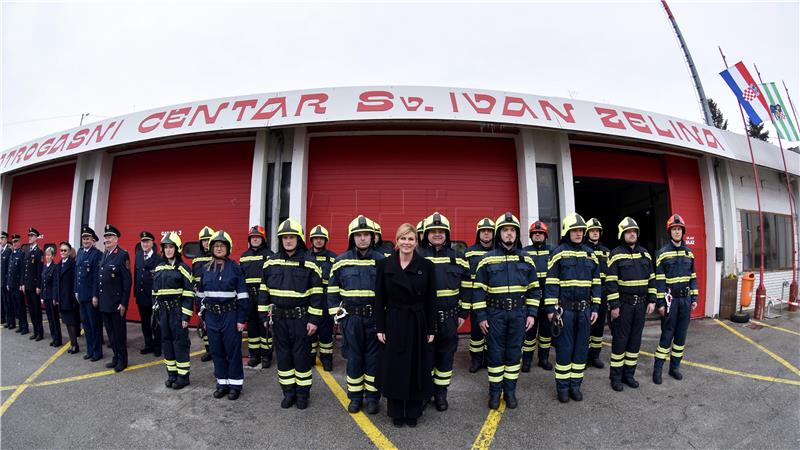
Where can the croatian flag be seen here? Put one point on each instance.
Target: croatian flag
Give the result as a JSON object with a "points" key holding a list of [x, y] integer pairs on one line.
{"points": [[748, 92]]}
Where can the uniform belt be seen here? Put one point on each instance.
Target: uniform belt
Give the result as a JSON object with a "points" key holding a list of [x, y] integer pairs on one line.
{"points": [[506, 303], [221, 308], [633, 299], [169, 304], [681, 293], [575, 305], [252, 291], [365, 310], [444, 314], [298, 312]]}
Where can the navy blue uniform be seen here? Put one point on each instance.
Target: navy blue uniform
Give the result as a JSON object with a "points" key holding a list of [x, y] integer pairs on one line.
{"points": [[223, 293], [596, 337], [5, 298], [49, 287], [323, 338], [87, 263], [32, 280], [506, 292], [540, 335], [477, 341], [198, 264], [143, 292], [173, 294], [572, 283], [14, 280], [259, 338], [292, 292], [352, 286], [674, 275], [113, 290]]}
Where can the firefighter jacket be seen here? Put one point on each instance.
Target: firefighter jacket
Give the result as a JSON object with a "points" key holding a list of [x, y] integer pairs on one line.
{"points": [[540, 253], [252, 264], [291, 282], [630, 273], [675, 271], [452, 278], [222, 285], [352, 281], [573, 275], [173, 287], [503, 274], [601, 252]]}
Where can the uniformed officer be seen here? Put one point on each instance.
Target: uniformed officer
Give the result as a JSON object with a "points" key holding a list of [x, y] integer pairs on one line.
{"points": [[87, 262], [173, 294], [225, 304], [540, 335], [198, 264], [291, 295], [380, 245], [631, 296], [484, 241], [259, 338], [420, 229], [572, 299], [676, 284], [453, 283], [113, 292], [324, 258], [594, 230], [146, 262], [31, 282], [9, 310], [14, 280], [506, 299], [49, 295], [352, 290]]}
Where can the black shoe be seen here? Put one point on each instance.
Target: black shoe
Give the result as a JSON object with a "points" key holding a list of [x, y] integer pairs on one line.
{"points": [[181, 382], [254, 362], [545, 364], [206, 357], [617, 386], [170, 382], [219, 393], [372, 407], [145, 351], [327, 365], [575, 394], [398, 422], [39, 338], [511, 400], [630, 381], [526, 366], [24, 332], [440, 401], [77, 349], [563, 396], [657, 376], [157, 352], [287, 402], [87, 356], [675, 373], [595, 362], [12, 327], [57, 344], [266, 362], [411, 423], [111, 365], [95, 358], [34, 336], [475, 365], [354, 406], [494, 400], [52, 343], [72, 351], [120, 367], [234, 394], [302, 402]]}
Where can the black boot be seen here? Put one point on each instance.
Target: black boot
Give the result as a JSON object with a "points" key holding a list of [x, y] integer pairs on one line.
{"points": [[627, 376], [221, 392], [288, 400], [181, 382], [327, 362], [545, 364], [266, 361], [526, 364], [206, 356], [302, 402], [440, 400], [354, 406], [575, 394], [659, 364], [255, 361], [595, 362], [511, 399], [674, 372], [170, 380], [616, 378], [563, 396], [476, 363], [494, 400], [372, 406], [234, 394]]}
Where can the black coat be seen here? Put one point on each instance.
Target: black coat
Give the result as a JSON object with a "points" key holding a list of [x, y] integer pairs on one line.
{"points": [[405, 311], [66, 286], [49, 281], [114, 280], [143, 278]]}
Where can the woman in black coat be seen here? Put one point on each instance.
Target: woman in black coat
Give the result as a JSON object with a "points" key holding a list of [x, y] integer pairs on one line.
{"points": [[49, 289], [405, 293], [65, 297]]}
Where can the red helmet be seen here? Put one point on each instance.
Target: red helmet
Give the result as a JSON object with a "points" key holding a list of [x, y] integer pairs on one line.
{"points": [[676, 220], [539, 227], [257, 230]]}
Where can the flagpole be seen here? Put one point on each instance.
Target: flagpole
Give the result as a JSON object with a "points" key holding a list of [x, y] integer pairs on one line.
{"points": [[761, 291], [794, 112]]}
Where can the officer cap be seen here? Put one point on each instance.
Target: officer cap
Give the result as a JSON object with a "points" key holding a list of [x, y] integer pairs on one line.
{"points": [[205, 233], [33, 232], [319, 231], [171, 238], [111, 230], [87, 231], [4, 234], [627, 224], [14, 237], [146, 236]]}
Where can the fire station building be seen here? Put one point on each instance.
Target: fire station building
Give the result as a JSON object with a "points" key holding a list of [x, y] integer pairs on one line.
{"points": [[397, 154]]}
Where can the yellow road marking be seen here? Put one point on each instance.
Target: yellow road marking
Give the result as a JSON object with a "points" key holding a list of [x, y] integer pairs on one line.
{"points": [[10, 400], [760, 347], [785, 330], [361, 419], [486, 435]]}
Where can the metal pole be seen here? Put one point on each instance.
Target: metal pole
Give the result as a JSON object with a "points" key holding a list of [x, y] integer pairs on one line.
{"points": [[761, 291], [698, 85], [794, 112]]}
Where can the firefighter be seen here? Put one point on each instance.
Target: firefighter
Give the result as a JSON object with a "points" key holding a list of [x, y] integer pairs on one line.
{"points": [[484, 242], [351, 292], [144, 266], [506, 299], [291, 295], [379, 244], [594, 230], [173, 294], [113, 291], [225, 304], [572, 300], [198, 264], [324, 258], [540, 335], [31, 282], [259, 338], [631, 296], [676, 284], [420, 230], [13, 278], [453, 283]]}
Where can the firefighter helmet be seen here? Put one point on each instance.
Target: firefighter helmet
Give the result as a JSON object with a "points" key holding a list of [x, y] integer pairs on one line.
{"points": [[485, 224], [377, 227], [291, 227], [225, 238], [421, 226], [627, 224], [539, 227], [676, 220], [573, 221], [594, 224], [172, 238], [319, 231], [437, 221], [360, 224], [257, 230], [206, 233], [505, 220]]}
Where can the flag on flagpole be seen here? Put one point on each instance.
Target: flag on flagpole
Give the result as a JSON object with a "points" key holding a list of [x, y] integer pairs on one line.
{"points": [[748, 92], [786, 127]]}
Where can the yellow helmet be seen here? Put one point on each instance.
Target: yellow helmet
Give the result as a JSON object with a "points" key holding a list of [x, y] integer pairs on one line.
{"points": [[627, 224], [225, 238], [485, 224], [359, 224], [505, 220], [377, 227], [593, 224], [172, 238], [421, 226], [573, 221], [437, 221], [319, 231], [206, 233], [291, 227]]}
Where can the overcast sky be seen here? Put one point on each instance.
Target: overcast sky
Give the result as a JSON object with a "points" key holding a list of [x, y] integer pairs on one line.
{"points": [[61, 59]]}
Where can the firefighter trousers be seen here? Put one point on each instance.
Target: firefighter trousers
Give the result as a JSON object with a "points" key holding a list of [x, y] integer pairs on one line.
{"points": [[596, 337], [674, 327], [572, 347], [361, 345], [174, 342], [504, 348], [292, 351], [540, 336], [445, 344], [477, 341], [626, 338], [225, 345], [259, 337]]}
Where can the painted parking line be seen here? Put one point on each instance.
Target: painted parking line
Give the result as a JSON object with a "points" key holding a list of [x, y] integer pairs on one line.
{"points": [[21, 388], [489, 428], [785, 330], [774, 356], [361, 419]]}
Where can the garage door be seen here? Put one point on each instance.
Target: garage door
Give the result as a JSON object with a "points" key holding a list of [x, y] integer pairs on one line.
{"points": [[397, 179], [42, 200], [182, 190]]}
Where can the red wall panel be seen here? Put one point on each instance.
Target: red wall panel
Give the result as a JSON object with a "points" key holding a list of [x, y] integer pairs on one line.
{"points": [[588, 162]]}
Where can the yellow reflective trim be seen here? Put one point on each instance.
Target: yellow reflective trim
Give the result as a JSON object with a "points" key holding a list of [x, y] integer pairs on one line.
{"points": [[252, 280], [473, 253], [188, 293], [244, 259], [676, 280], [160, 292], [263, 308], [294, 294], [186, 311], [576, 283], [446, 292], [314, 311], [356, 293], [352, 262], [506, 289], [632, 283], [479, 305]]}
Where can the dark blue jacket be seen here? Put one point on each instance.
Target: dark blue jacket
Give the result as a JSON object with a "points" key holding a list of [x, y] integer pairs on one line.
{"points": [[114, 280], [325, 262], [540, 253], [66, 285], [252, 264], [601, 252], [505, 274], [352, 280], [224, 286], [143, 278], [4, 256], [14, 274], [175, 282], [630, 272], [87, 264], [32, 269], [573, 274], [49, 281], [452, 278], [290, 282], [675, 271]]}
